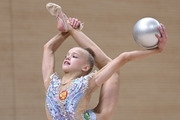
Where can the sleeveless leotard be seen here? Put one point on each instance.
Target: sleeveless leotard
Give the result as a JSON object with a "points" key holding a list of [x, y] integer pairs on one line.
{"points": [[63, 106]]}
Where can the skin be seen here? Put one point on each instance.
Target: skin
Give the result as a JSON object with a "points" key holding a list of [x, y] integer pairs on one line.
{"points": [[109, 69], [109, 93], [74, 65], [76, 60]]}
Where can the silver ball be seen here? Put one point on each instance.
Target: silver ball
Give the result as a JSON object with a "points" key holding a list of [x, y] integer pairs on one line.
{"points": [[144, 32]]}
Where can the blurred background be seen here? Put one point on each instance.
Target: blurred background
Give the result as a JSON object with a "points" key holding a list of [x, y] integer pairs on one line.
{"points": [[149, 87]]}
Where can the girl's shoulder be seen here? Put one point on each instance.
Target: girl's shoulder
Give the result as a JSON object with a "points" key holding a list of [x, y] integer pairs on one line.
{"points": [[90, 75], [85, 77], [54, 76]]}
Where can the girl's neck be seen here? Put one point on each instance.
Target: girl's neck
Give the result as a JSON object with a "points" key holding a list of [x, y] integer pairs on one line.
{"points": [[68, 77]]}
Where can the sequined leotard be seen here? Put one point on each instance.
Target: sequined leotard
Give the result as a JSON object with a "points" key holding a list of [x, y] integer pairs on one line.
{"points": [[62, 106]]}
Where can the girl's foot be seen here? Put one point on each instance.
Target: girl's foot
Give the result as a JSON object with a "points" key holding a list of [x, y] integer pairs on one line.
{"points": [[56, 11], [63, 21]]}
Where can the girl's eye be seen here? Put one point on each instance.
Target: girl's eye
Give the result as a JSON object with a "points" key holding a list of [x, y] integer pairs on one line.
{"points": [[74, 56]]}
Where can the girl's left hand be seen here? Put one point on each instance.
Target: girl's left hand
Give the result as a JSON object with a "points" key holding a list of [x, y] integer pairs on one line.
{"points": [[163, 38]]}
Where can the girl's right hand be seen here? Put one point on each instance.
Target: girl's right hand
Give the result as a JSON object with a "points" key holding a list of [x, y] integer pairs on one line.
{"points": [[75, 23]]}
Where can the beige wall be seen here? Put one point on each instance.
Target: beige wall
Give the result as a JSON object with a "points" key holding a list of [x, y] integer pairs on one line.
{"points": [[149, 87]]}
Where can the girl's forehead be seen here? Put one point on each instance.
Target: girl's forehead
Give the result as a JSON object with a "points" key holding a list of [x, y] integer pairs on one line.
{"points": [[76, 50]]}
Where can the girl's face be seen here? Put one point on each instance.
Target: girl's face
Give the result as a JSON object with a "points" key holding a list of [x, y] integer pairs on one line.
{"points": [[75, 60]]}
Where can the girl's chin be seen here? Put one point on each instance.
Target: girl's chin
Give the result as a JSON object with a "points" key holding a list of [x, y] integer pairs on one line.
{"points": [[65, 70]]}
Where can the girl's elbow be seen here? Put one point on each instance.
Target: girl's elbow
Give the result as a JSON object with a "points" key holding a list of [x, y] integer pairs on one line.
{"points": [[47, 46], [126, 57]]}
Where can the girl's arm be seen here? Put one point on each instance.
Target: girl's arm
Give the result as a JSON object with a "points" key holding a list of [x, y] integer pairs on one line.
{"points": [[101, 59], [48, 61], [118, 62], [106, 72]]}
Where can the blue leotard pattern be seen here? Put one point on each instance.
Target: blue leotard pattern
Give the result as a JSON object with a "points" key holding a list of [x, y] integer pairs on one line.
{"points": [[66, 109]]}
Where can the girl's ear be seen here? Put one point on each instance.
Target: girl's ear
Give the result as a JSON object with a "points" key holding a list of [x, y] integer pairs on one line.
{"points": [[85, 68]]}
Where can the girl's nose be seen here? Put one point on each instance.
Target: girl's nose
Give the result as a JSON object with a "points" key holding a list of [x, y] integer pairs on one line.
{"points": [[67, 58]]}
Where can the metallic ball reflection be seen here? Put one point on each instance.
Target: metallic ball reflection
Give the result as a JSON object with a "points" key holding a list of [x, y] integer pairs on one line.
{"points": [[144, 32]]}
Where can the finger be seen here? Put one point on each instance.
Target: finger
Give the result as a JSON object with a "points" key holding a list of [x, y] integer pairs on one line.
{"points": [[79, 24], [72, 21], [158, 37], [165, 33], [161, 30], [75, 23]]}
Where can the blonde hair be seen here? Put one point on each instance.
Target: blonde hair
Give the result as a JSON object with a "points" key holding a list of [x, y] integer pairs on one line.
{"points": [[90, 59]]}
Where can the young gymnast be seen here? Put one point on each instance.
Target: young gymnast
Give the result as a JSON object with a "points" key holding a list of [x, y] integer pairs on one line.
{"points": [[67, 98]]}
